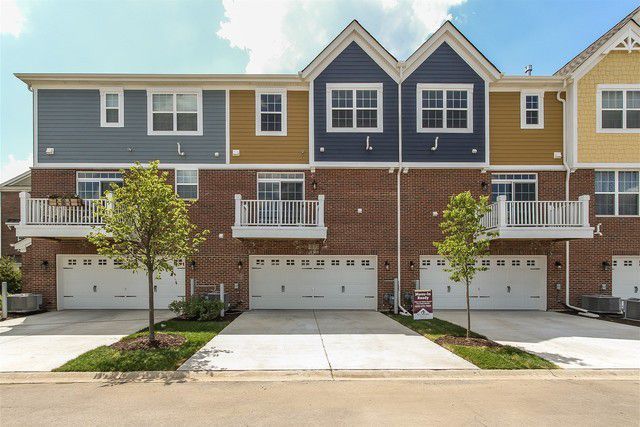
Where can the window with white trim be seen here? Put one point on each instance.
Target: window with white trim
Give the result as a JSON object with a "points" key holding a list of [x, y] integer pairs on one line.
{"points": [[515, 186], [617, 193], [111, 107], [174, 112], [354, 107], [531, 110], [93, 185], [280, 186], [271, 112], [187, 183], [444, 108], [618, 108]]}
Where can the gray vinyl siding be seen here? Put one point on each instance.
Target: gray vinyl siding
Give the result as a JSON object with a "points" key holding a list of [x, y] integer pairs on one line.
{"points": [[354, 65], [444, 65], [69, 122]]}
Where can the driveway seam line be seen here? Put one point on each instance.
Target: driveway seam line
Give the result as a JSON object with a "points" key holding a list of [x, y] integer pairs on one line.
{"points": [[324, 349]]}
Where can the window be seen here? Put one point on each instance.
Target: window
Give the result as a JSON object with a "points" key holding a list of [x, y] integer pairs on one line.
{"points": [[174, 113], [618, 109], [517, 187], [280, 186], [354, 107], [93, 185], [444, 108], [617, 193], [187, 183], [532, 110], [111, 108], [271, 112]]}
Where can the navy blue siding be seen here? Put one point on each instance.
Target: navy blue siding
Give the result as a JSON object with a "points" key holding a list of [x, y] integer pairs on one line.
{"points": [[444, 65], [69, 121], [353, 65]]}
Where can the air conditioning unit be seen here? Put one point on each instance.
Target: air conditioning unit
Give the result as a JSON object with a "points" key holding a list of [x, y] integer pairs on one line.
{"points": [[632, 309], [23, 303], [601, 304]]}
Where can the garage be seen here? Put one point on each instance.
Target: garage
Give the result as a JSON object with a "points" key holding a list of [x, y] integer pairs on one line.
{"points": [[313, 282], [98, 282], [509, 283], [626, 277]]}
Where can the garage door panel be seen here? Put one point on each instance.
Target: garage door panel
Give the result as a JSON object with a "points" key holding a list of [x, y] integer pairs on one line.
{"points": [[626, 276]]}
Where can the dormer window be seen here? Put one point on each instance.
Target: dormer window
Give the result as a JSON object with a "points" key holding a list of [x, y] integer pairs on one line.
{"points": [[444, 108], [111, 107], [532, 110], [354, 107]]}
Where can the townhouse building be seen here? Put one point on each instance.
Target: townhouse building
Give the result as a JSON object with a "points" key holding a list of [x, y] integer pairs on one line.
{"points": [[324, 187]]}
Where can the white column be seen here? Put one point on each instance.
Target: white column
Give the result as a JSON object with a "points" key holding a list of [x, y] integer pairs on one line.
{"points": [[24, 200], [502, 211], [584, 202], [321, 210], [238, 202]]}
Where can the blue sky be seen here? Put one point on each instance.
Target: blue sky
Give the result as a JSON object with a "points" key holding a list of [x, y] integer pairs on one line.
{"points": [[198, 36]]}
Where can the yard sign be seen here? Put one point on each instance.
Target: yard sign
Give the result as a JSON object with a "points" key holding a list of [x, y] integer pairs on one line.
{"points": [[422, 304]]}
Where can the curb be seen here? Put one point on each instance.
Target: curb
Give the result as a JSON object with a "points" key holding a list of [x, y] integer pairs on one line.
{"points": [[314, 375]]}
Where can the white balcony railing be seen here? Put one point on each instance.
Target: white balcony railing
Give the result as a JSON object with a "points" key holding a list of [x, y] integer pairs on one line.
{"points": [[539, 218], [279, 218]]}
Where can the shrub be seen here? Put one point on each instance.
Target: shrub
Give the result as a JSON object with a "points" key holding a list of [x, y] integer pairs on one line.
{"points": [[10, 273], [197, 308]]}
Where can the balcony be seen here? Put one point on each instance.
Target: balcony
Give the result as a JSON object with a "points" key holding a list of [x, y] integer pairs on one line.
{"points": [[556, 220], [279, 219], [38, 218]]}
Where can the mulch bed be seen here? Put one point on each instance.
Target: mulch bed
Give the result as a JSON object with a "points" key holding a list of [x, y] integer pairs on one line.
{"points": [[142, 342], [469, 342]]}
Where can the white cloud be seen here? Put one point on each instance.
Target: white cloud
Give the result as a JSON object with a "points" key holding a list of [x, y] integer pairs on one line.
{"points": [[15, 167], [12, 19], [284, 35]]}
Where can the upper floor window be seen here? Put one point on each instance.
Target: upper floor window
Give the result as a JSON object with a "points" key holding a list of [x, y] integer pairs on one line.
{"points": [[354, 107], [187, 183], [515, 186], [618, 108], [93, 185], [531, 110], [280, 186], [271, 112], [617, 193], [444, 108], [176, 112], [111, 107]]}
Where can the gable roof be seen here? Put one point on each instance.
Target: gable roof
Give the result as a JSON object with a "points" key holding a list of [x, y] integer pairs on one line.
{"points": [[582, 57], [464, 48], [354, 32], [21, 182]]}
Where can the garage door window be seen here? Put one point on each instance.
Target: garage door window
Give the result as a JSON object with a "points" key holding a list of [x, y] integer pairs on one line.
{"points": [[516, 187], [617, 193], [93, 185]]}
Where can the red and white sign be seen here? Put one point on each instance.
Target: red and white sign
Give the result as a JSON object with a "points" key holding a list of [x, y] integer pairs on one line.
{"points": [[422, 304]]}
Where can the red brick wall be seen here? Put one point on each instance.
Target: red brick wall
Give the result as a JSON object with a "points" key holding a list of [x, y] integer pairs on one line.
{"points": [[10, 210]]}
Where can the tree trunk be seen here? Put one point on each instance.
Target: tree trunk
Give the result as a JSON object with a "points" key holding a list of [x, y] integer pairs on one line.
{"points": [[152, 331], [468, 313]]}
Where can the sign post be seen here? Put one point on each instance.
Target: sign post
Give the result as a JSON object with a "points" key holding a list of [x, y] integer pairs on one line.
{"points": [[422, 304]]}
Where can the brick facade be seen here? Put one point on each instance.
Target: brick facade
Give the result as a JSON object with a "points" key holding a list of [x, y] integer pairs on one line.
{"points": [[10, 211]]}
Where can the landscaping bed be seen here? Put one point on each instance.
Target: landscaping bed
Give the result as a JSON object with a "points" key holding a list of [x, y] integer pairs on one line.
{"points": [[180, 339], [478, 350]]}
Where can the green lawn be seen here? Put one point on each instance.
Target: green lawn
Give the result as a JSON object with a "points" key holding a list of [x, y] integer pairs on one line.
{"points": [[504, 357], [107, 359]]}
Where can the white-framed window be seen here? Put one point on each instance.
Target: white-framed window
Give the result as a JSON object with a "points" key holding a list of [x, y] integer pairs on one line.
{"points": [[280, 186], [93, 185], [517, 187], [187, 183], [444, 108], [617, 193], [354, 107], [532, 110], [618, 108], [271, 112], [111, 107], [174, 112]]}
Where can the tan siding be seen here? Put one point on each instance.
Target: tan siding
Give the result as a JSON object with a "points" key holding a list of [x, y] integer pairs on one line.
{"points": [[511, 145], [293, 148]]}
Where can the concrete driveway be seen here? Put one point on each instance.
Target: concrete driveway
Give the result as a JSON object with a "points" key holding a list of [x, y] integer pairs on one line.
{"points": [[571, 342], [320, 340], [43, 342]]}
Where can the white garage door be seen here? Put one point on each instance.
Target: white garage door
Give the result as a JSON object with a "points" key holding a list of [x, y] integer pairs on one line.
{"points": [[626, 276], [509, 283], [313, 282], [94, 281]]}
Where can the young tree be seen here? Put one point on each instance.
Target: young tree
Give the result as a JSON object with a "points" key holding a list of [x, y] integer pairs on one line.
{"points": [[146, 227], [465, 239]]}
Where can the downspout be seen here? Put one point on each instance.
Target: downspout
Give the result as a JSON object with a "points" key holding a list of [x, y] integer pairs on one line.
{"points": [[398, 199]]}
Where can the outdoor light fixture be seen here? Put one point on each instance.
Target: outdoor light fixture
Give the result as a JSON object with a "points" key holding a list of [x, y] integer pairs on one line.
{"points": [[314, 184], [484, 185], [606, 266], [386, 265], [411, 265], [239, 265], [45, 263], [193, 264], [558, 265]]}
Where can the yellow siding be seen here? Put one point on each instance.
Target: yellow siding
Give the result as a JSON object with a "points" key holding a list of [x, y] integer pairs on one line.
{"points": [[293, 148], [511, 145], [593, 147]]}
